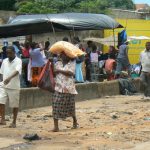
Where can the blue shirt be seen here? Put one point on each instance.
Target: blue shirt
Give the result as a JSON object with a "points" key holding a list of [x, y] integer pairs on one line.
{"points": [[123, 52], [37, 59], [17, 51]]}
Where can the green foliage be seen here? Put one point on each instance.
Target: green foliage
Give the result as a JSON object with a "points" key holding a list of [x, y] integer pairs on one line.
{"points": [[121, 4], [94, 6], [48, 6], [59, 6]]}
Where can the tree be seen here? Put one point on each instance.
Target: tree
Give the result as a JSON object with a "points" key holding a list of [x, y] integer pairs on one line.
{"points": [[7, 4], [59, 6], [94, 6], [121, 4], [32, 7]]}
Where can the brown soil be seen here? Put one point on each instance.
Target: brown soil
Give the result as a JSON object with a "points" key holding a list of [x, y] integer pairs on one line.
{"points": [[110, 123]]}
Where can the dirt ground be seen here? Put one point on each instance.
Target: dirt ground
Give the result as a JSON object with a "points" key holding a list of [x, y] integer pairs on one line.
{"points": [[110, 123]]}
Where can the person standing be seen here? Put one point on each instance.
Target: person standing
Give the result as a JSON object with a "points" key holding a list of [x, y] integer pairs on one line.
{"points": [[46, 49], [123, 60], [145, 74], [25, 60], [17, 48], [37, 62], [94, 70], [63, 101], [10, 84], [87, 60], [89, 47], [78, 74]]}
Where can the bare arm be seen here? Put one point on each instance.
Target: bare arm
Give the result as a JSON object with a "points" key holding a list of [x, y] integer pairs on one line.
{"points": [[66, 73], [69, 71], [6, 81], [41, 47]]}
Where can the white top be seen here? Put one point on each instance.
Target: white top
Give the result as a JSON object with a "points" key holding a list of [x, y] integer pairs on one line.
{"points": [[94, 57], [65, 84], [37, 59], [8, 68], [145, 61]]}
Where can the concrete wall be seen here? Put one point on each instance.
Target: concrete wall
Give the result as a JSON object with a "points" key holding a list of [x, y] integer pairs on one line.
{"points": [[59, 35], [128, 14], [34, 97]]}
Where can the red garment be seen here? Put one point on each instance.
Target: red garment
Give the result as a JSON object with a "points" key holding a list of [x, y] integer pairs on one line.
{"points": [[25, 52], [109, 65]]}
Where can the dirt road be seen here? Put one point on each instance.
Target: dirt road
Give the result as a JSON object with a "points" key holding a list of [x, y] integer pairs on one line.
{"points": [[110, 123]]}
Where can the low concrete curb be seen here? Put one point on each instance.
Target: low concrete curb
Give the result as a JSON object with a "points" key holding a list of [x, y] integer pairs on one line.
{"points": [[35, 97]]}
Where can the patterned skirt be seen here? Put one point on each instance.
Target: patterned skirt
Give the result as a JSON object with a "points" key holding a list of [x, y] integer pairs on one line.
{"points": [[36, 71], [63, 105]]}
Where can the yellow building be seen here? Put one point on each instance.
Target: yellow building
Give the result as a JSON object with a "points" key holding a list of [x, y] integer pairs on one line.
{"points": [[134, 27]]}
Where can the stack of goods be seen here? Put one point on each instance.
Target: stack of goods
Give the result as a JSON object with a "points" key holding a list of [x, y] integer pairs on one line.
{"points": [[69, 49]]}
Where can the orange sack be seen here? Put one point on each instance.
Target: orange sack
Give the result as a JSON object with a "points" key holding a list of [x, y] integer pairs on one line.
{"points": [[69, 49]]}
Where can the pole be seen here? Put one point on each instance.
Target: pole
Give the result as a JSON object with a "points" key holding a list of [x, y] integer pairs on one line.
{"points": [[49, 20], [54, 31], [114, 37]]}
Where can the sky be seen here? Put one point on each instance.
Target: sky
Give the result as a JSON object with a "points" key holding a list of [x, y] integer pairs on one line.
{"points": [[142, 1]]}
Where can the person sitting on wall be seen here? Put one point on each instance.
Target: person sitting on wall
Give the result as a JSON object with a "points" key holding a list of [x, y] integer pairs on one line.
{"points": [[123, 59], [110, 66]]}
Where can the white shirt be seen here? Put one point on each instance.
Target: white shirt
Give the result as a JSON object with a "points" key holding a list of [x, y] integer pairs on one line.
{"points": [[8, 68], [94, 57], [37, 59], [65, 84], [145, 61]]}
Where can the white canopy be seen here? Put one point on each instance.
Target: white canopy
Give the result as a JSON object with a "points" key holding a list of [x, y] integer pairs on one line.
{"points": [[110, 41]]}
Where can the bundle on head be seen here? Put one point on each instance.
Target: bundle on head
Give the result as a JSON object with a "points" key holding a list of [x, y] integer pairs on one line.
{"points": [[69, 49]]}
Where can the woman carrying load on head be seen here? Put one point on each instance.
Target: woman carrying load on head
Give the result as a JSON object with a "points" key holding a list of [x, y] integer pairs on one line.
{"points": [[63, 102]]}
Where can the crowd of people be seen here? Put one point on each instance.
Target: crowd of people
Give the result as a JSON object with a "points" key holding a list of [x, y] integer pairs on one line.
{"points": [[93, 66], [30, 58], [34, 56]]}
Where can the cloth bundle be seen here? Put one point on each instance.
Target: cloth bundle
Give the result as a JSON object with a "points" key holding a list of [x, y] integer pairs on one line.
{"points": [[46, 79], [69, 49]]}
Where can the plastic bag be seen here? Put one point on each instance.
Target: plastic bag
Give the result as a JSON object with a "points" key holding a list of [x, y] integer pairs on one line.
{"points": [[69, 49], [46, 79]]}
